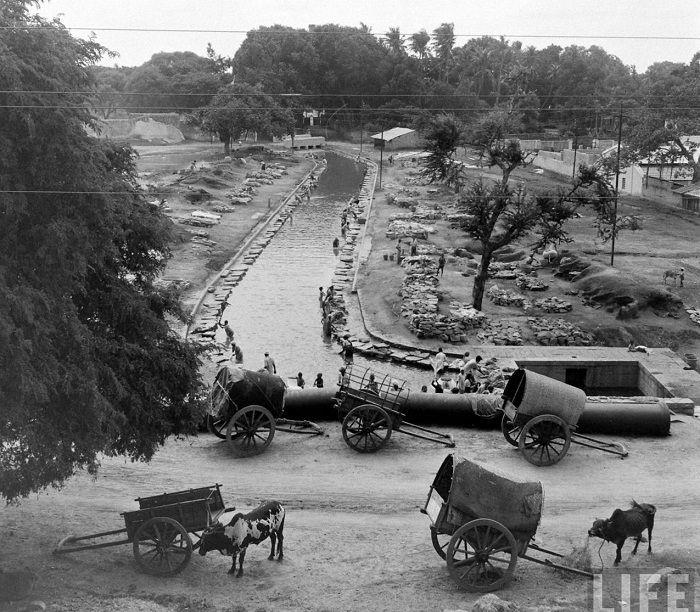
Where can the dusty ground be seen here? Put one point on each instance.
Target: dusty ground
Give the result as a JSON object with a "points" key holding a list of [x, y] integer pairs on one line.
{"points": [[668, 240], [354, 537]]}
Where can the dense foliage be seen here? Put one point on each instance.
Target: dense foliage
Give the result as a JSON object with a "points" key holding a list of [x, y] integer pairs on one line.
{"points": [[357, 76], [88, 362]]}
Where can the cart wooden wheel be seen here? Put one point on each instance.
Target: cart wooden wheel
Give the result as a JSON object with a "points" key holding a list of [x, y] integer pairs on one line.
{"points": [[162, 547], [544, 440], [481, 555], [250, 430], [217, 426], [511, 431], [367, 428], [440, 542]]}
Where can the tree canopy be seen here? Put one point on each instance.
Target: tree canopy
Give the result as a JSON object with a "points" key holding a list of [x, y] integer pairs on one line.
{"points": [[88, 361]]}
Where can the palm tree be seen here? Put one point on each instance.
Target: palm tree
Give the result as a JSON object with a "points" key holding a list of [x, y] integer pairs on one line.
{"points": [[395, 41], [419, 43]]}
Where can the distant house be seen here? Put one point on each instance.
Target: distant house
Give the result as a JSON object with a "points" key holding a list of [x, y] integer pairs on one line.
{"points": [[690, 197], [397, 138]]}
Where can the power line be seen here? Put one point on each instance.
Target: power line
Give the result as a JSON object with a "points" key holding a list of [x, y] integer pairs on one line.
{"points": [[171, 194], [357, 109], [343, 33], [308, 95]]}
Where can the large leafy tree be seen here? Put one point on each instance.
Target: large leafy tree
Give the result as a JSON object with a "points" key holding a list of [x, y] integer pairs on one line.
{"points": [[241, 108], [174, 82], [499, 214], [88, 362], [660, 129]]}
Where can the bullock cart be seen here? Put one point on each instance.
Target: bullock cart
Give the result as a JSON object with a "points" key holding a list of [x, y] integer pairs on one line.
{"points": [[540, 415], [482, 521], [161, 531], [371, 406], [246, 408]]}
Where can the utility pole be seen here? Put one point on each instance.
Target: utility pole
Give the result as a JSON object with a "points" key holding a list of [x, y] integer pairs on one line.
{"points": [[381, 158], [617, 179], [573, 172], [362, 124]]}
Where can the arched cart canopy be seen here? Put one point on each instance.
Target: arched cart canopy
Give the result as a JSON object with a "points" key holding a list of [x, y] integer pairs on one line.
{"points": [[235, 388], [473, 491], [534, 394]]}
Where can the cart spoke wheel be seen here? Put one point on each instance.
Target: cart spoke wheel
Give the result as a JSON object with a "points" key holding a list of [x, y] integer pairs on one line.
{"points": [[440, 542], [511, 431], [544, 440], [481, 555], [162, 547], [250, 430], [367, 428], [217, 426]]}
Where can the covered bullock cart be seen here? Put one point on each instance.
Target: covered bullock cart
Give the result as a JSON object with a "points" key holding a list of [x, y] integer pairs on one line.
{"points": [[246, 408], [540, 415], [482, 521]]}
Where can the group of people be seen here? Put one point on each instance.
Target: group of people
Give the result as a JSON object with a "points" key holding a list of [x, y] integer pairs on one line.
{"points": [[348, 211], [318, 381], [466, 380]]}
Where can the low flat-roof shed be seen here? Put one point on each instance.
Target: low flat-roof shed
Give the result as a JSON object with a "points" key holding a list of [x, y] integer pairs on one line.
{"points": [[397, 138]]}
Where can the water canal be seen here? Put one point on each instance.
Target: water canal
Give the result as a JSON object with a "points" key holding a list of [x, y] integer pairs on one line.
{"points": [[275, 307]]}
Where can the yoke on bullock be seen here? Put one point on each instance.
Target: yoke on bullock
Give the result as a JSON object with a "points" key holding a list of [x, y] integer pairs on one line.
{"points": [[246, 408]]}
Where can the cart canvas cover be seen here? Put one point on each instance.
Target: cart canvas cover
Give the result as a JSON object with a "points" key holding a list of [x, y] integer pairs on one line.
{"points": [[472, 492], [534, 394], [236, 388]]}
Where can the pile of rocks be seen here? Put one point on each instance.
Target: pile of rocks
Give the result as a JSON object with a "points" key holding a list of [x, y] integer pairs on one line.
{"points": [[503, 297], [467, 316], [501, 333], [694, 314], [223, 208], [401, 229], [530, 283], [419, 295], [553, 304], [503, 270], [420, 212], [433, 325], [552, 332]]}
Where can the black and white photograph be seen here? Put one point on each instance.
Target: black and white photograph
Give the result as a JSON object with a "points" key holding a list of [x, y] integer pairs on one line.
{"points": [[343, 307]]}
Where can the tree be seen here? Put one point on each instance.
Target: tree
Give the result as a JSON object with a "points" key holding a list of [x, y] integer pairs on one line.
{"points": [[88, 362], [174, 82], [395, 41], [443, 136], [499, 214], [419, 43], [240, 108]]}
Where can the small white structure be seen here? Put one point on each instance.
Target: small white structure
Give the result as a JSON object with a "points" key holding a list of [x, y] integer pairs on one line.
{"points": [[397, 138]]}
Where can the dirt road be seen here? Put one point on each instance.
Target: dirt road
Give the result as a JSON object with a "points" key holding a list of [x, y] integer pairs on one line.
{"points": [[355, 539]]}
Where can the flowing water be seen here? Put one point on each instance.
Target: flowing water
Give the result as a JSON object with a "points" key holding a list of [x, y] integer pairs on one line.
{"points": [[275, 307]]}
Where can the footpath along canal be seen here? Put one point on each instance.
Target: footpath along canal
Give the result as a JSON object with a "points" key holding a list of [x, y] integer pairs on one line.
{"points": [[275, 307]]}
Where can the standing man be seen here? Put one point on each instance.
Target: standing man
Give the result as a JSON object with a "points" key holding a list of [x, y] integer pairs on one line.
{"points": [[270, 364], [441, 264], [681, 276], [348, 349], [229, 334], [439, 362], [414, 247]]}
